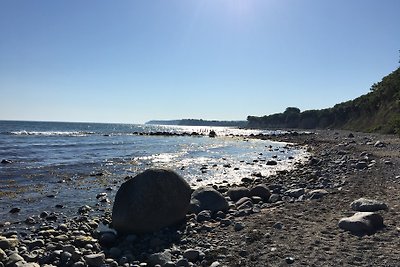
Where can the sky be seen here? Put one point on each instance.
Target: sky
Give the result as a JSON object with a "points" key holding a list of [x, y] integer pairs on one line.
{"points": [[131, 61]]}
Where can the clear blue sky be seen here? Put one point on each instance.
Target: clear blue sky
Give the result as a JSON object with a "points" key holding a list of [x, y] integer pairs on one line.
{"points": [[132, 61]]}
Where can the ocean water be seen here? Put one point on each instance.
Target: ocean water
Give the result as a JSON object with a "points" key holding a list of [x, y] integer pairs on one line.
{"points": [[70, 163]]}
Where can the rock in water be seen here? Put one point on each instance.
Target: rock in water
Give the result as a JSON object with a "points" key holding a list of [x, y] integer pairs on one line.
{"points": [[362, 223], [207, 198], [364, 204], [152, 200]]}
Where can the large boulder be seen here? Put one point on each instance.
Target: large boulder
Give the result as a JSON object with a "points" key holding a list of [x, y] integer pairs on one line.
{"points": [[237, 193], [152, 200], [207, 198], [362, 223], [261, 191], [371, 205]]}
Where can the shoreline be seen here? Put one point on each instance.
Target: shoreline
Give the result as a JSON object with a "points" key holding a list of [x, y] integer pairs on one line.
{"points": [[295, 231]]}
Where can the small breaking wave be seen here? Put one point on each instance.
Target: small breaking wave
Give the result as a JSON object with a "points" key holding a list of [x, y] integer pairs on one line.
{"points": [[51, 133]]}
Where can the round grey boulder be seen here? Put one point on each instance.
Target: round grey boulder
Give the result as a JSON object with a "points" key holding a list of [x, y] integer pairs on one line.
{"points": [[237, 193], [152, 200], [362, 223], [207, 198], [261, 191]]}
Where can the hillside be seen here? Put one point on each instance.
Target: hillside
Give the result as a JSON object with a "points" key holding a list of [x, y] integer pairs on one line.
{"points": [[376, 111]]}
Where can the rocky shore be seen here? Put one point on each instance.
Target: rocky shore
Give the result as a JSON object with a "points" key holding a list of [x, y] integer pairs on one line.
{"points": [[302, 217]]}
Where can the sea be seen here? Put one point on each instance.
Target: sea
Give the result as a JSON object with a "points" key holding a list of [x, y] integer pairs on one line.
{"points": [[60, 166]]}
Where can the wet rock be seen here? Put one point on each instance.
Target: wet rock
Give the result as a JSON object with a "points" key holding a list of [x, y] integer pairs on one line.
{"points": [[84, 209], [207, 198], [6, 161], [152, 200], [30, 220], [237, 193], [95, 260], [212, 134], [261, 191], [362, 223], [160, 258], [368, 205], [272, 163], [15, 210], [182, 263]]}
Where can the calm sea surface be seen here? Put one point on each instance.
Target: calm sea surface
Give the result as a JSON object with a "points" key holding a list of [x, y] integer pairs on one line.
{"points": [[70, 163]]}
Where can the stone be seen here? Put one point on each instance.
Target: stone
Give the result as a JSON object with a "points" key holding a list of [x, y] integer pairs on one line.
{"points": [[152, 200], [261, 191], [274, 198], [207, 198], [368, 205], [36, 244], [84, 209], [26, 264], [3, 255], [238, 226], [317, 194], [15, 210], [160, 258], [13, 259], [182, 263], [115, 252], [272, 163], [296, 193], [379, 144], [362, 223], [244, 203], [95, 260], [215, 264], [204, 215], [107, 239], [361, 165], [212, 134], [237, 193], [191, 254], [6, 161], [289, 260], [8, 243]]}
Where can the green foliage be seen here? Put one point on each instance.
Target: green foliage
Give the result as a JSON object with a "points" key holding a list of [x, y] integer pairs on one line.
{"points": [[376, 111]]}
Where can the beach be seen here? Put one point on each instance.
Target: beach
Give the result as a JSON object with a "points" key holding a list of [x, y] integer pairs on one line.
{"points": [[296, 226]]}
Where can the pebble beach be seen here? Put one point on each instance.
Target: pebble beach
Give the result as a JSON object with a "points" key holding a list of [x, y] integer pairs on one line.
{"points": [[290, 218]]}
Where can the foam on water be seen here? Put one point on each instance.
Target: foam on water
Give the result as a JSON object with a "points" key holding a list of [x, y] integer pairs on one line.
{"points": [[60, 159]]}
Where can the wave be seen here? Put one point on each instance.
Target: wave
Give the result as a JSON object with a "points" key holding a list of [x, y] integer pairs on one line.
{"points": [[51, 133]]}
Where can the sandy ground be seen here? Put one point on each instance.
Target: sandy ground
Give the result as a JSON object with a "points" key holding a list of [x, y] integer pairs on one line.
{"points": [[307, 233]]}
